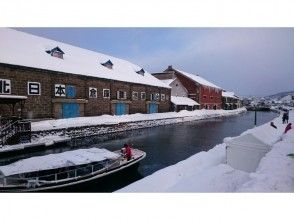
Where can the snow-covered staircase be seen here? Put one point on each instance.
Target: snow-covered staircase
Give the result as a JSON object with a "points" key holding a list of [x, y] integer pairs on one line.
{"points": [[15, 132]]}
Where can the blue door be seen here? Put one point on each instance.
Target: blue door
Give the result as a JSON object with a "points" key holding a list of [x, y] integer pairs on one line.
{"points": [[153, 108], [70, 110], [120, 109]]}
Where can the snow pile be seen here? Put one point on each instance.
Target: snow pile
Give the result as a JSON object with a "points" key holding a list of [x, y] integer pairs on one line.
{"points": [[166, 178], [54, 161], [114, 119], [183, 101], [276, 170], [208, 171]]}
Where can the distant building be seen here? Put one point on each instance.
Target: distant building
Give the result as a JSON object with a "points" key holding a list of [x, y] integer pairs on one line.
{"points": [[230, 101], [204, 93], [42, 78], [183, 103]]}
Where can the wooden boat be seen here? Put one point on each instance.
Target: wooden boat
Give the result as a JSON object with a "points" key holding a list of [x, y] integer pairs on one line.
{"points": [[62, 170]]}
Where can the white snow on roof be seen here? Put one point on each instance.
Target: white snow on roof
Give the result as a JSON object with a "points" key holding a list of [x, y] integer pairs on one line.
{"points": [[54, 161], [18, 48], [183, 101], [167, 81], [228, 94], [198, 79], [13, 97]]}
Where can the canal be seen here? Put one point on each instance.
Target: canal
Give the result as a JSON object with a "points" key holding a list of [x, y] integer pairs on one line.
{"points": [[164, 145]]}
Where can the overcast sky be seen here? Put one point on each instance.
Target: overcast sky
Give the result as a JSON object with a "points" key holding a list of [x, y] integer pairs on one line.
{"points": [[248, 61]]}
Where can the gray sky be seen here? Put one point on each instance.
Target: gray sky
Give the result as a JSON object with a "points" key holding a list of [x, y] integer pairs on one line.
{"points": [[248, 61]]}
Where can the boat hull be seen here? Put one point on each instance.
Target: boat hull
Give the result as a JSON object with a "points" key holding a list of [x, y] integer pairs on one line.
{"points": [[82, 182]]}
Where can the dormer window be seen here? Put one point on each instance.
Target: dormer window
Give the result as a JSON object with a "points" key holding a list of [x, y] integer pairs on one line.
{"points": [[141, 72], [108, 64], [56, 52]]}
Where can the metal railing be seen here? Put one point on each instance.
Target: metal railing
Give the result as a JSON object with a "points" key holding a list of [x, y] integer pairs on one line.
{"points": [[19, 128]]}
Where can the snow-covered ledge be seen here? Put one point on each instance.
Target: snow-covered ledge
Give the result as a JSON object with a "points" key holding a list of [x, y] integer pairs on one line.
{"points": [[113, 119]]}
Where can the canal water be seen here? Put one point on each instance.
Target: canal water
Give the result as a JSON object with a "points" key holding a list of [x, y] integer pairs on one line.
{"points": [[164, 145]]}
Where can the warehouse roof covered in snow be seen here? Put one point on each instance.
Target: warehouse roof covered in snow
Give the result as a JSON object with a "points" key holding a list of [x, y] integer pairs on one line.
{"points": [[183, 101], [22, 49], [198, 79]]}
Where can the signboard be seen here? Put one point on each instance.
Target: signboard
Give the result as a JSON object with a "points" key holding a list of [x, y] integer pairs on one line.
{"points": [[60, 90], [34, 88], [5, 86], [92, 92]]}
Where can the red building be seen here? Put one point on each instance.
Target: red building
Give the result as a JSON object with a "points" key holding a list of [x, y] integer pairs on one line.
{"points": [[207, 94]]}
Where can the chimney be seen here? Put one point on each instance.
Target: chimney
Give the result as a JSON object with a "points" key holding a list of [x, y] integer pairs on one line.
{"points": [[170, 67]]}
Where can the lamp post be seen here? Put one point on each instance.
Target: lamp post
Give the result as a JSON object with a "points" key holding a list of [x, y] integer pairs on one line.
{"points": [[255, 119]]}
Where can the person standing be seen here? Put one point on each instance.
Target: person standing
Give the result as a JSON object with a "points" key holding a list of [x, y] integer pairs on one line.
{"points": [[287, 117], [288, 127], [128, 151], [284, 117]]}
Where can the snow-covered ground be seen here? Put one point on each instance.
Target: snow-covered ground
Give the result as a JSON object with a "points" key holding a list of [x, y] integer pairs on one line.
{"points": [[208, 171], [114, 119]]}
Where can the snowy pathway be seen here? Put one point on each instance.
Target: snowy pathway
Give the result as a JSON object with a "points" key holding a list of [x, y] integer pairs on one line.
{"points": [[208, 172]]}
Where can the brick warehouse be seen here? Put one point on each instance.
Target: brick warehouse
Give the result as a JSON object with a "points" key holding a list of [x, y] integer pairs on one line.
{"points": [[41, 78], [207, 94]]}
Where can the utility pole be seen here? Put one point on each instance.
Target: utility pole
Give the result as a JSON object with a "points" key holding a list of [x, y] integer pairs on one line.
{"points": [[255, 119]]}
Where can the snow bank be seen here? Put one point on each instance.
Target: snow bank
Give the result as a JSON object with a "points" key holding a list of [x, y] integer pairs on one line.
{"points": [[164, 179], [276, 170], [207, 171], [114, 119]]}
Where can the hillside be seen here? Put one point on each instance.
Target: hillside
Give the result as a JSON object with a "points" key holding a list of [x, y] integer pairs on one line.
{"points": [[279, 95]]}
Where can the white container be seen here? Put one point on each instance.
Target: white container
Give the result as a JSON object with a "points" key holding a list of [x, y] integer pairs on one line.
{"points": [[245, 152]]}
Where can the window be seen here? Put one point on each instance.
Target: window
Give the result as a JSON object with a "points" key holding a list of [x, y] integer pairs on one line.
{"points": [[211, 97], [167, 97], [141, 72], [162, 97], [92, 92], [108, 64], [60, 90], [34, 88], [121, 95], [135, 95], [5, 86], [157, 96], [106, 93], [204, 96], [152, 97], [70, 91], [56, 52], [143, 96], [206, 106]]}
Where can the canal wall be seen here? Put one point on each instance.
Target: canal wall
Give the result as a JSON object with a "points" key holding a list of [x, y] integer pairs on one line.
{"points": [[53, 132], [89, 126]]}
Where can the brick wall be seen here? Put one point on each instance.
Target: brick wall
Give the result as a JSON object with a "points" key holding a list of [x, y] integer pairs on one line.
{"points": [[41, 106], [211, 97]]}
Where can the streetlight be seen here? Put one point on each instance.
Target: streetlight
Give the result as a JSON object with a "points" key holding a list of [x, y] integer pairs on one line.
{"points": [[255, 118]]}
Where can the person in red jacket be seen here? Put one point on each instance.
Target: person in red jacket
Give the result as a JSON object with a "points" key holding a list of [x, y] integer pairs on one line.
{"points": [[128, 151], [288, 127]]}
